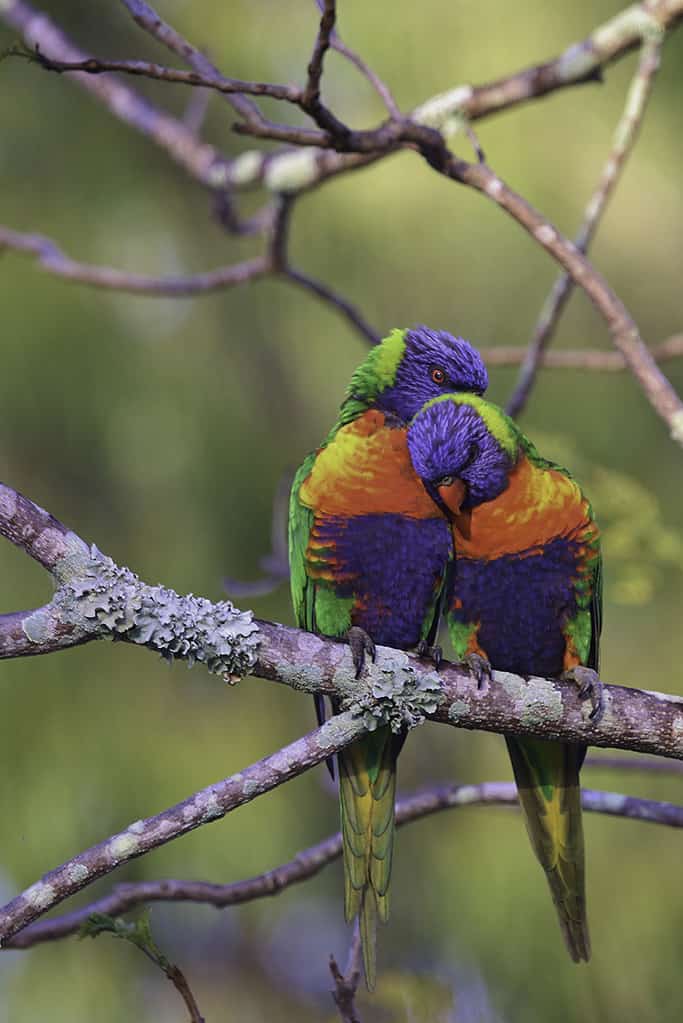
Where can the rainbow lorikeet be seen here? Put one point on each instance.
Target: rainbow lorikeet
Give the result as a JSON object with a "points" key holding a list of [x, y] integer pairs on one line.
{"points": [[369, 552], [526, 597]]}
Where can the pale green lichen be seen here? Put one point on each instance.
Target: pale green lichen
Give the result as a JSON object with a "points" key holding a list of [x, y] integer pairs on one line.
{"points": [[396, 695], [104, 599], [75, 558], [458, 710], [291, 172], [246, 168], [122, 846], [445, 111], [77, 872], [676, 424], [40, 895], [536, 701]]}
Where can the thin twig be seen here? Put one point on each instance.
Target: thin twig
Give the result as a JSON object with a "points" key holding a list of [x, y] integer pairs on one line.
{"points": [[380, 87], [309, 862], [160, 73], [201, 808], [623, 143], [148, 20], [587, 359], [327, 294], [51, 258], [322, 43], [203, 161], [346, 983]]}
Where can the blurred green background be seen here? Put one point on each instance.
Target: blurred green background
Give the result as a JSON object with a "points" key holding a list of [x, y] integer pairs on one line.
{"points": [[160, 428]]}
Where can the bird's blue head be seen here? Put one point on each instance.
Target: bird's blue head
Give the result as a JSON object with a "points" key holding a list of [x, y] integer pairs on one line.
{"points": [[463, 448], [409, 367]]}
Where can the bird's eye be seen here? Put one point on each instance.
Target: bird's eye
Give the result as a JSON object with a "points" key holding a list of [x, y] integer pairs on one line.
{"points": [[445, 481], [437, 375]]}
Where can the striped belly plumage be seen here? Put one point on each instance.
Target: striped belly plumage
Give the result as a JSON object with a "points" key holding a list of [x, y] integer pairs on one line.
{"points": [[522, 603], [390, 566]]}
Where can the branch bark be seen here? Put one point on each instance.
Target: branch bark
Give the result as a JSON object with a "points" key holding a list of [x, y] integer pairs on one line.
{"points": [[208, 805], [97, 599], [309, 862]]}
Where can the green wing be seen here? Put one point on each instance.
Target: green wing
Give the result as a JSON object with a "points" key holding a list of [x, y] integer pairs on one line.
{"points": [[300, 525]]}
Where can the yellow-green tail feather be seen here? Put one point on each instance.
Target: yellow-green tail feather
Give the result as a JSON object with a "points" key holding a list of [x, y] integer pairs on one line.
{"points": [[547, 776], [367, 793]]}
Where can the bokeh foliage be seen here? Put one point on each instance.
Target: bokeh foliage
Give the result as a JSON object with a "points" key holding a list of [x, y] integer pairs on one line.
{"points": [[159, 429]]}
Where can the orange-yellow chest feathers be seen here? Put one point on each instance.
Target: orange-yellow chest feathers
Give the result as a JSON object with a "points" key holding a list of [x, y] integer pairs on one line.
{"points": [[366, 470], [539, 505]]}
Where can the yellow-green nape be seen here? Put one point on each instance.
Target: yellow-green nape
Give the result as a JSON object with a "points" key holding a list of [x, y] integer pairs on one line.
{"points": [[497, 422], [379, 369]]}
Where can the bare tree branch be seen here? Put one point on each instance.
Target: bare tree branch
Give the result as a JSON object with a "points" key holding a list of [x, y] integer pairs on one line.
{"points": [[51, 258], [322, 44], [588, 359], [309, 862], [331, 297], [207, 805], [346, 983], [623, 143], [200, 159], [149, 21]]}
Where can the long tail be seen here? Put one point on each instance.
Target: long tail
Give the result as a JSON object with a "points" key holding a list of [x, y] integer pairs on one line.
{"points": [[367, 793], [547, 776]]}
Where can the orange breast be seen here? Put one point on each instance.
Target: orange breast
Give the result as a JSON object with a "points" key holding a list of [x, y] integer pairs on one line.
{"points": [[365, 470], [538, 505]]}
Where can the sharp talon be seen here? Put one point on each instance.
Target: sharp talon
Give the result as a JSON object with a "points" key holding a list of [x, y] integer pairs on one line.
{"points": [[361, 644], [479, 667], [589, 687], [434, 653]]}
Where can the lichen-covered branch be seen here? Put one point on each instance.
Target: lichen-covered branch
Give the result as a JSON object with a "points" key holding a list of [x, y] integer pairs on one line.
{"points": [[97, 599], [309, 862], [624, 139], [208, 805]]}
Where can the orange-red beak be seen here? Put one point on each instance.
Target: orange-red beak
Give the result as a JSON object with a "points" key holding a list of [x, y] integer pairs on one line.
{"points": [[452, 496]]}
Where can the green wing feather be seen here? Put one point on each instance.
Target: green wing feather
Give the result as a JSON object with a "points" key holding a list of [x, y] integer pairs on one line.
{"points": [[367, 768]]}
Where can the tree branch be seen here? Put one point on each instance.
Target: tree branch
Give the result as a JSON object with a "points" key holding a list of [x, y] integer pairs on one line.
{"points": [[588, 359], [309, 862], [96, 599], [201, 160], [52, 259], [207, 805], [623, 143]]}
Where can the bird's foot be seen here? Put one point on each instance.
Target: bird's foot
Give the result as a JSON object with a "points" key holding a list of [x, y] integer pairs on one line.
{"points": [[479, 667], [434, 653], [361, 644], [589, 685]]}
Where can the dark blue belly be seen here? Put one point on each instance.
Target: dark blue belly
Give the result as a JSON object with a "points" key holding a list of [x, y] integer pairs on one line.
{"points": [[392, 566], [521, 604]]}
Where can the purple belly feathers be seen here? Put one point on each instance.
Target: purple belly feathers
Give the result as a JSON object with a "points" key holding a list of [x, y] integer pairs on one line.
{"points": [[393, 566], [521, 604]]}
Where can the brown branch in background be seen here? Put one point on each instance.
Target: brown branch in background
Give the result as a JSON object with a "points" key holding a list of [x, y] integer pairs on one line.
{"points": [[149, 21], [380, 87], [622, 327], [327, 294], [587, 359], [157, 72], [346, 983], [51, 258], [201, 808], [624, 141], [322, 42], [309, 862], [200, 159]]}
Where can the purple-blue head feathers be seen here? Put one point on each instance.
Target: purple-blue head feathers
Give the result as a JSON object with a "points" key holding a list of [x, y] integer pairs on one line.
{"points": [[463, 437], [409, 367]]}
